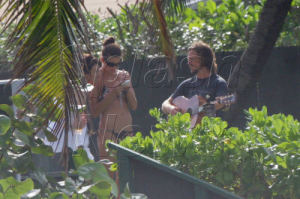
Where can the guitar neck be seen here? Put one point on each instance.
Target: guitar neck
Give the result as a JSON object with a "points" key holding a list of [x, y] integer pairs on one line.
{"points": [[229, 99]]}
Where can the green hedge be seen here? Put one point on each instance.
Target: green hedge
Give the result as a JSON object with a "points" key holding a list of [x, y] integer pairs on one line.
{"points": [[261, 161]]}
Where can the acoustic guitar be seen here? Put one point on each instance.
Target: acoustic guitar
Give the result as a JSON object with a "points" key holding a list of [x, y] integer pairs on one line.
{"points": [[198, 110]]}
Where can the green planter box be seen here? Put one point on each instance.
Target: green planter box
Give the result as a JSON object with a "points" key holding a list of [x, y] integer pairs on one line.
{"points": [[158, 181]]}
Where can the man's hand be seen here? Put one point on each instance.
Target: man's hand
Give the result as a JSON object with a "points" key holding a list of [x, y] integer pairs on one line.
{"points": [[174, 110], [202, 100]]}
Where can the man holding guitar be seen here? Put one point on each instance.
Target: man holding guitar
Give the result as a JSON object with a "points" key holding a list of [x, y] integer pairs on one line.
{"points": [[205, 83]]}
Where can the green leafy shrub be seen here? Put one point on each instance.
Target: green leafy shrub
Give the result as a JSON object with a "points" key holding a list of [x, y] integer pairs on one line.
{"points": [[5, 55], [261, 161], [18, 143], [226, 26]]}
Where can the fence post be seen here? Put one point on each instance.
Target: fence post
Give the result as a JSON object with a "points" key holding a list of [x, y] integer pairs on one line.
{"points": [[124, 171]]}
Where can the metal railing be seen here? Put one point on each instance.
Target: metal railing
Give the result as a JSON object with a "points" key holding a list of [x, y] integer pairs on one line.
{"points": [[159, 181]]}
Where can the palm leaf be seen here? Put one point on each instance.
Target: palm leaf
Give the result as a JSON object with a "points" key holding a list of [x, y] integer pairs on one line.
{"points": [[172, 8], [47, 47], [166, 43], [156, 11]]}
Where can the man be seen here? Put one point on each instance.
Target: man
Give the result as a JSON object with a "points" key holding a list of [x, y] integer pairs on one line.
{"points": [[205, 83]]}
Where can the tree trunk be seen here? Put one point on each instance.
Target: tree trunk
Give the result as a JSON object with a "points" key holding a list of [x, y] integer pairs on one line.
{"points": [[251, 64]]}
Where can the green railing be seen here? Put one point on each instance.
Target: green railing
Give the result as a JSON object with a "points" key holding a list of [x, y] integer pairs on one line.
{"points": [[156, 180]]}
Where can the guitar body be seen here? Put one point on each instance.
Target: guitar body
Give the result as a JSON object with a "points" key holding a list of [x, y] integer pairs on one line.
{"points": [[198, 107], [190, 106]]}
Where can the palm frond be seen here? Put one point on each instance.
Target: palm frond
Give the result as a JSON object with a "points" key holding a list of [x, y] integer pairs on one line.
{"points": [[46, 43], [156, 12], [165, 38], [172, 8]]}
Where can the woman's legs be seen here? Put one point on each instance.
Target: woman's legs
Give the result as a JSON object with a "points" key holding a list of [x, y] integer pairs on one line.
{"points": [[103, 136]]}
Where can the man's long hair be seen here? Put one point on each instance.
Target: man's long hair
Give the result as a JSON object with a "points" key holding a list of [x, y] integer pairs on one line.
{"points": [[206, 54]]}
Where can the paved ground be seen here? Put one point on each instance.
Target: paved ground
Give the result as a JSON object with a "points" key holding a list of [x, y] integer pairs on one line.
{"points": [[100, 6]]}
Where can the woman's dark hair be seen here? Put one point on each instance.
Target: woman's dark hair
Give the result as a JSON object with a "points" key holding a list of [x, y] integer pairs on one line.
{"points": [[110, 48], [206, 54], [88, 62]]}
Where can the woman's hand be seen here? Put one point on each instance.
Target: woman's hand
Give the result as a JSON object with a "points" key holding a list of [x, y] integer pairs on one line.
{"points": [[117, 91], [126, 84], [125, 81]]}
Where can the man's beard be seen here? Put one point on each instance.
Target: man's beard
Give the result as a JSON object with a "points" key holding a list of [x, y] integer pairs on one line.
{"points": [[194, 72]]}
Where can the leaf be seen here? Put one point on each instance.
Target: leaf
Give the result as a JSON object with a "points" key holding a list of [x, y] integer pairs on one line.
{"points": [[49, 135], [21, 162], [155, 113], [113, 167], [19, 101], [57, 195], [7, 109], [102, 190], [15, 189], [85, 188], [211, 6], [5, 124], [70, 186], [42, 149], [32, 194], [278, 124], [24, 138], [97, 173], [24, 127], [80, 157], [217, 130], [280, 161], [28, 88], [40, 177]]}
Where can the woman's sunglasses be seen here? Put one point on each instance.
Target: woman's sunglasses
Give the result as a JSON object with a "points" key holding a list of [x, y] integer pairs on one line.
{"points": [[111, 64]]}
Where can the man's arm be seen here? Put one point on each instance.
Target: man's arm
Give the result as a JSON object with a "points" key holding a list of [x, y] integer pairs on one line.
{"points": [[169, 108], [222, 90]]}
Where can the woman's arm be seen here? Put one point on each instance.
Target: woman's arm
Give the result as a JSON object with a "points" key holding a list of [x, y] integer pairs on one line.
{"points": [[97, 106], [130, 94], [131, 98]]}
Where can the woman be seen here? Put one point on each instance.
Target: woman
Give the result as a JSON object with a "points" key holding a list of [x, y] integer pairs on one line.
{"points": [[89, 67], [112, 97]]}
